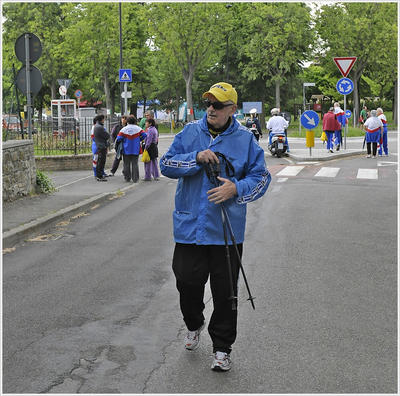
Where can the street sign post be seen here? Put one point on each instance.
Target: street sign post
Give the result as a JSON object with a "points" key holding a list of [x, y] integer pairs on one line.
{"points": [[309, 120], [125, 76], [78, 95], [28, 50], [345, 86], [345, 64]]}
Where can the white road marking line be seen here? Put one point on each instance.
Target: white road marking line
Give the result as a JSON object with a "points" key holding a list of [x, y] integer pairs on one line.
{"points": [[290, 171], [282, 179], [386, 163], [327, 172], [367, 174]]}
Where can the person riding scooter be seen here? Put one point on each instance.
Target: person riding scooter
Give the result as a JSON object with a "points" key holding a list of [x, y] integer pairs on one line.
{"points": [[254, 120], [277, 124]]}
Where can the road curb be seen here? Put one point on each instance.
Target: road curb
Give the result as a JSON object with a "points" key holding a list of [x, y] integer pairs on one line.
{"points": [[327, 157], [17, 235]]}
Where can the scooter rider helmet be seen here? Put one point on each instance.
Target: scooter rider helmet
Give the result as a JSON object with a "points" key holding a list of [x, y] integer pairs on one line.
{"points": [[275, 111], [253, 111]]}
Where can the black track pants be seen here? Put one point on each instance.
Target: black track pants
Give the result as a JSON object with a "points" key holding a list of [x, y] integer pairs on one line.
{"points": [[192, 265]]}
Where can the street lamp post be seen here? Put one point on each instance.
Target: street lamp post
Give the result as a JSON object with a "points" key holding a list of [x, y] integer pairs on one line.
{"points": [[227, 50], [304, 92], [227, 57], [120, 59]]}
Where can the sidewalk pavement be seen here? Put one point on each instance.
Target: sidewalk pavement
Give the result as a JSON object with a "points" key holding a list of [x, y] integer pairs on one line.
{"points": [[78, 192]]}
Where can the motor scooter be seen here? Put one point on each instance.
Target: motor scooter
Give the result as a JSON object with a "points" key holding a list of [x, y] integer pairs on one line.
{"points": [[254, 130], [278, 144]]}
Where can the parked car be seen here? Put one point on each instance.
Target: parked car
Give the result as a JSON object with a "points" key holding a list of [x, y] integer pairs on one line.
{"points": [[12, 123]]}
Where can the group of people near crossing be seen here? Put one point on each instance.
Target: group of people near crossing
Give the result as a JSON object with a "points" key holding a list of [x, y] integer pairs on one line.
{"points": [[129, 142], [375, 127]]}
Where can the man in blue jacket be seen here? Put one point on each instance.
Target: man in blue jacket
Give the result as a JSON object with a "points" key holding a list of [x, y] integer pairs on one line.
{"points": [[198, 226]]}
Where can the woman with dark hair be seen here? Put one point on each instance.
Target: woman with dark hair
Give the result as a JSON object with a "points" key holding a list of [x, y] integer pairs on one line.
{"points": [[151, 145]]}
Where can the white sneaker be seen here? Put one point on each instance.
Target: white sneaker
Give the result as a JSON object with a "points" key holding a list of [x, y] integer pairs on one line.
{"points": [[221, 362], [369, 156], [192, 339]]}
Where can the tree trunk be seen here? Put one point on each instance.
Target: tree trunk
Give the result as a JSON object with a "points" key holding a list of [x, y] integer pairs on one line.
{"points": [[189, 101], [277, 94], [356, 98], [53, 90], [107, 90], [177, 104], [395, 102]]}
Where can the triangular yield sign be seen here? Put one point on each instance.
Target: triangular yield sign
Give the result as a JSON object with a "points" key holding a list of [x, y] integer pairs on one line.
{"points": [[345, 64]]}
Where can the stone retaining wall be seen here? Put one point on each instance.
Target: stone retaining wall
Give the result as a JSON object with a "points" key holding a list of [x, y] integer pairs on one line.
{"points": [[54, 163], [20, 165], [19, 169]]}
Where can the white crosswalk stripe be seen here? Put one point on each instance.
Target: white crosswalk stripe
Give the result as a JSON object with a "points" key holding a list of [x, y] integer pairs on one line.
{"points": [[290, 171], [327, 172], [367, 174]]}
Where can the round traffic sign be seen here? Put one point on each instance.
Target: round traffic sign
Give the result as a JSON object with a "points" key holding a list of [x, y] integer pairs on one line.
{"points": [[62, 90], [309, 119], [35, 48], [345, 86], [348, 113], [78, 93], [35, 77]]}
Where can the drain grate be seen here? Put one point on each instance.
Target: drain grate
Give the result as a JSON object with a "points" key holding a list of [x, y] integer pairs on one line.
{"points": [[51, 237]]}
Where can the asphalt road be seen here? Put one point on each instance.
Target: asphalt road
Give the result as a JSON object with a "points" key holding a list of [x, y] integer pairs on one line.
{"points": [[95, 310]]}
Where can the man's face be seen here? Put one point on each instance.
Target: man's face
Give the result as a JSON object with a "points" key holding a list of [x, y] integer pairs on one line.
{"points": [[218, 118], [147, 115]]}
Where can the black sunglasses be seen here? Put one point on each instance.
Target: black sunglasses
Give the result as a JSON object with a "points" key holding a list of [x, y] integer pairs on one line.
{"points": [[216, 105]]}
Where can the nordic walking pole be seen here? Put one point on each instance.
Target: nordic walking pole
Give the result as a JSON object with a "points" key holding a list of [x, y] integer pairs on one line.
{"points": [[251, 298], [215, 170], [228, 257]]}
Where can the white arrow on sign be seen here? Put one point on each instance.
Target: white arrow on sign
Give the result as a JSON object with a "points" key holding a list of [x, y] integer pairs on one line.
{"points": [[129, 95], [310, 120], [342, 88]]}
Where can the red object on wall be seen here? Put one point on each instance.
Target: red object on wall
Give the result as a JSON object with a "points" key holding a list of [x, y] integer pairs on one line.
{"points": [[317, 107]]}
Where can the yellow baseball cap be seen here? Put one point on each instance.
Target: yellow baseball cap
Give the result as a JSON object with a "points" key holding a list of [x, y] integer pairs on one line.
{"points": [[223, 92]]}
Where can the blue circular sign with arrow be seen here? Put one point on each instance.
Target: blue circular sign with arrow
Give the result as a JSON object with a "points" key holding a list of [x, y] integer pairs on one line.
{"points": [[345, 86], [309, 119]]}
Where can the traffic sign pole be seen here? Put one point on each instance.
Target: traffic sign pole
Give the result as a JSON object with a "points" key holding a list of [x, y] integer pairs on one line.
{"points": [[345, 86], [28, 86], [345, 65], [309, 120], [345, 125], [126, 97]]}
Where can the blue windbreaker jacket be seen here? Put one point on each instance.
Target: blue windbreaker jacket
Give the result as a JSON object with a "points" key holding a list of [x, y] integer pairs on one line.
{"points": [[197, 220]]}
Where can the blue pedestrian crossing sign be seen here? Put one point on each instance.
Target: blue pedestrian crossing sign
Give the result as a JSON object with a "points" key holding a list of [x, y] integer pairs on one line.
{"points": [[125, 75], [345, 86], [309, 119]]}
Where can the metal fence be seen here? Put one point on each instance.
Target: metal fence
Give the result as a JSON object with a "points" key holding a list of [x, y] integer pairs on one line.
{"points": [[70, 136]]}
